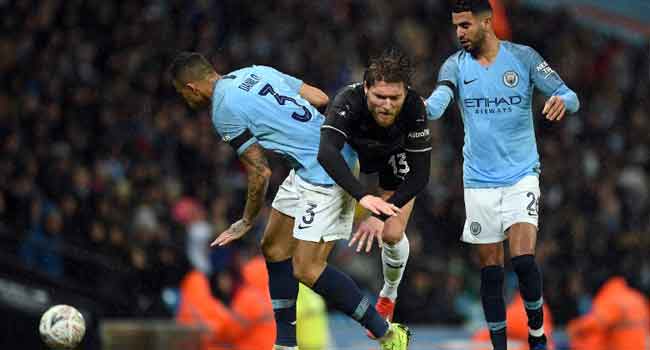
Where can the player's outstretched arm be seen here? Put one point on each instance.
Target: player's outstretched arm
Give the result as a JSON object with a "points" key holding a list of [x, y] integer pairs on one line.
{"points": [[259, 173], [330, 158], [314, 95], [438, 102]]}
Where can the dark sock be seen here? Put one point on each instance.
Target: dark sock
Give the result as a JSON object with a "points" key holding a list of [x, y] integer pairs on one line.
{"points": [[284, 292], [530, 285], [338, 289], [494, 306]]}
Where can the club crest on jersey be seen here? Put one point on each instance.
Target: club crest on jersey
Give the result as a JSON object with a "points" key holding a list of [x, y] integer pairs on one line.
{"points": [[475, 228], [510, 78]]}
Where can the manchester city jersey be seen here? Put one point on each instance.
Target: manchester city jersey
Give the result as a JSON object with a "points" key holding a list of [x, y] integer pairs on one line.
{"points": [[261, 104], [495, 103]]}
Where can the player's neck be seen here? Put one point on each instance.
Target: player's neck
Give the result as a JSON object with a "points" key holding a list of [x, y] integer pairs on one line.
{"points": [[489, 51], [212, 82]]}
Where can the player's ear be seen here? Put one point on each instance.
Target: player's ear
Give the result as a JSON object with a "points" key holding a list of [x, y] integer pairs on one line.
{"points": [[486, 19], [192, 87]]}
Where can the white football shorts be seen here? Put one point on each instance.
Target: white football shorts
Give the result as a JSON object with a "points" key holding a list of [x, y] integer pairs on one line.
{"points": [[491, 211], [321, 213]]}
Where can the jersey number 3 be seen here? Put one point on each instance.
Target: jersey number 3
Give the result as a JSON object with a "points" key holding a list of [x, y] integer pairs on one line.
{"points": [[282, 100]]}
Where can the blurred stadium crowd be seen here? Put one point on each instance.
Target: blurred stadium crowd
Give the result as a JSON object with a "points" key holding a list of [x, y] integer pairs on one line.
{"points": [[99, 157]]}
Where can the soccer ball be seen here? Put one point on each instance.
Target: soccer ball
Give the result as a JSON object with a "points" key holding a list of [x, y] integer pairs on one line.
{"points": [[62, 327]]}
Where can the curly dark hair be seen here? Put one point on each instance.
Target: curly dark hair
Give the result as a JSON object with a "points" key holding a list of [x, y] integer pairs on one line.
{"points": [[474, 6], [392, 66]]}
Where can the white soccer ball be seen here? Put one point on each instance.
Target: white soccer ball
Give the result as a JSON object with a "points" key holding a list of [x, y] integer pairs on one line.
{"points": [[62, 327]]}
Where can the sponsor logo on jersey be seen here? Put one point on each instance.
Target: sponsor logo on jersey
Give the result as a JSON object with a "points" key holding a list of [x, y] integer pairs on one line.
{"points": [[492, 105], [417, 134], [510, 78]]}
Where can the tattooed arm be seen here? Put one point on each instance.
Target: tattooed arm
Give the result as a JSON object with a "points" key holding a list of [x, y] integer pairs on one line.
{"points": [[259, 173]]}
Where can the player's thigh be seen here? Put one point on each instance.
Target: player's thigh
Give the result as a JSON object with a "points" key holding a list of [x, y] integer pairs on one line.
{"points": [[521, 215], [310, 259], [323, 213], [522, 239], [490, 254], [395, 226], [483, 216], [278, 242]]}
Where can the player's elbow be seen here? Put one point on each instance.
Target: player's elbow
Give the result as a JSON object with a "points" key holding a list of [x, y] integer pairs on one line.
{"points": [[422, 181], [320, 99], [265, 172], [577, 105], [323, 155]]}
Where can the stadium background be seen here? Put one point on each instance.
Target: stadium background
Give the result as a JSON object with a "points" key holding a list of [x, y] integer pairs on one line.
{"points": [[98, 154]]}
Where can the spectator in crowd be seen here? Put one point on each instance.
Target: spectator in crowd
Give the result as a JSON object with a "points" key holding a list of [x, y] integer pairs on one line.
{"points": [[235, 312], [618, 319], [42, 248]]}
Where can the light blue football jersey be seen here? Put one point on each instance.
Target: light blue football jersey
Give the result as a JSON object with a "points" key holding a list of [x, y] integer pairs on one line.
{"points": [[261, 104], [496, 107]]}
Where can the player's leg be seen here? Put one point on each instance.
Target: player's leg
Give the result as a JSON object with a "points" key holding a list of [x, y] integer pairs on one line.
{"points": [[484, 230], [325, 216], [310, 267], [394, 256], [522, 201], [277, 246], [492, 278]]}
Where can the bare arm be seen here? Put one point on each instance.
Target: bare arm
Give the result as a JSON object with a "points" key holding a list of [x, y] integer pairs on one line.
{"points": [[259, 173], [314, 95]]}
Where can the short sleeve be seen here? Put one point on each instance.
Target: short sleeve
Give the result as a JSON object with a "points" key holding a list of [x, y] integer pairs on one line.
{"points": [[340, 114], [294, 83], [232, 128], [418, 138]]}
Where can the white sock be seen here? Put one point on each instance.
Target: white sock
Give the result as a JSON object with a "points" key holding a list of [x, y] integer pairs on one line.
{"points": [[536, 332], [394, 258]]}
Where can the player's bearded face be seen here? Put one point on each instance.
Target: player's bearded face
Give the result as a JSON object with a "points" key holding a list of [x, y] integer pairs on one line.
{"points": [[470, 30], [385, 101]]}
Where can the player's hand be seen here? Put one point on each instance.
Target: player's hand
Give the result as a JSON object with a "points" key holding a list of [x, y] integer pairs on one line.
{"points": [[368, 230], [378, 206], [554, 108], [234, 232]]}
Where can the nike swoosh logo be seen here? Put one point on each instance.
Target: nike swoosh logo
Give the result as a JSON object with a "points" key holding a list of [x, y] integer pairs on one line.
{"points": [[395, 266], [300, 227], [469, 81], [293, 323]]}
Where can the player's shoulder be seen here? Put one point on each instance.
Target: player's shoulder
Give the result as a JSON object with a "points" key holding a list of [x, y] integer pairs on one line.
{"points": [[351, 90], [351, 94], [413, 110], [520, 51], [456, 57]]}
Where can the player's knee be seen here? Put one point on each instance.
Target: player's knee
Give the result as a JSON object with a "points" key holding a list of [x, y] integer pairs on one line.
{"points": [[392, 237], [492, 280], [273, 251], [522, 264], [305, 270]]}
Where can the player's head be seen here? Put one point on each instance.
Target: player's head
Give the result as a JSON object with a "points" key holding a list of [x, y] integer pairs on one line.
{"points": [[193, 77], [385, 83], [473, 21]]}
